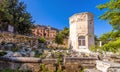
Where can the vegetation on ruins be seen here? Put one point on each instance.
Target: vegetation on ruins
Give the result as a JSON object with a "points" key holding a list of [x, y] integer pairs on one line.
{"points": [[14, 12], [14, 49], [42, 67], [2, 53], [111, 43], [62, 35], [59, 38], [11, 70], [65, 32], [113, 46], [41, 40]]}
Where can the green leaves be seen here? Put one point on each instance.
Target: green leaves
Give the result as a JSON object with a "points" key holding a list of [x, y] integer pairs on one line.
{"points": [[62, 35], [14, 12], [112, 46], [21, 19], [2, 53], [111, 40], [112, 14], [41, 40], [59, 38]]}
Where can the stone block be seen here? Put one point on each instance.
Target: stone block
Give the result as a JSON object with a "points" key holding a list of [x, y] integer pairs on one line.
{"points": [[49, 61], [91, 70], [34, 67], [50, 67], [106, 66], [88, 65], [72, 67]]}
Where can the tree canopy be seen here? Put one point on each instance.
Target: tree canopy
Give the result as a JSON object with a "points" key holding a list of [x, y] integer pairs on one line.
{"points": [[14, 13], [112, 14], [111, 40], [41, 40], [62, 35]]}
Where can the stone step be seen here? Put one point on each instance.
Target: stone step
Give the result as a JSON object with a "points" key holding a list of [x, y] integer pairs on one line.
{"points": [[91, 70], [88, 65]]}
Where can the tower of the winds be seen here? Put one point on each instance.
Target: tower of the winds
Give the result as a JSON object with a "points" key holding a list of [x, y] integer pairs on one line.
{"points": [[81, 31]]}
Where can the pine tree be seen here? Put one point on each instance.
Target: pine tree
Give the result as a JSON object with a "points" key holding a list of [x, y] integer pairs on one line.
{"points": [[15, 13]]}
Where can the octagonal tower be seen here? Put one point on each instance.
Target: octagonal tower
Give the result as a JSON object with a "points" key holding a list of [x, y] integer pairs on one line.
{"points": [[81, 31]]}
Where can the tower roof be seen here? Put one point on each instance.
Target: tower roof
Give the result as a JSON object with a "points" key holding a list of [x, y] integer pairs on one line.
{"points": [[81, 14]]}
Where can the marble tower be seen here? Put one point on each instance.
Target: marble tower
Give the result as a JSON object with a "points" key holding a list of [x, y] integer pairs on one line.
{"points": [[81, 31]]}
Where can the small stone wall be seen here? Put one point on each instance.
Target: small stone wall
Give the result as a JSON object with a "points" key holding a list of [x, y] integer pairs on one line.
{"points": [[8, 37], [68, 64], [86, 62]]}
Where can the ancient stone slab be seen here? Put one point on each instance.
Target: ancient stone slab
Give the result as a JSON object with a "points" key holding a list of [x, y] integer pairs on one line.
{"points": [[91, 70], [49, 61], [21, 59], [50, 67], [106, 66]]}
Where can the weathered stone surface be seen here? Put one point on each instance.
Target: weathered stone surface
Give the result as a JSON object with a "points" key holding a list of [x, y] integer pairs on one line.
{"points": [[10, 40], [91, 70], [21, 59], [50, 67], [106, 66], [34, 67], [72, 67], [68, 65], [81, 25], [9, 65], [85, 62], [17, 54], [49, 61], [32, 54], [9, 54]]}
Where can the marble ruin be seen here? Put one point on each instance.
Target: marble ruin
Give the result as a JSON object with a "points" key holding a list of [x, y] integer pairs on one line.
{"points": [[81, 32]]}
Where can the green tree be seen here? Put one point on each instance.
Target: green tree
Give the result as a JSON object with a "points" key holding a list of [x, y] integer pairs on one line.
{"points": [[65, 32], [15, 14], [21, 19], [3, 9], [41, 40], [4, 15], [113, 46], [110, 36], [62, 35], [112, 14], [105, 38], [115, 35], [59, 38]]}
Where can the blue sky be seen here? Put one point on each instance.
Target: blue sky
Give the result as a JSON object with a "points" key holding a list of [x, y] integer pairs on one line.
{"points": [[56, 13]]}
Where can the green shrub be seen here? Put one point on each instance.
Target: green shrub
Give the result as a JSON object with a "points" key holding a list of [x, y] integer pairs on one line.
{"points": [[41, 40], [14, 49], [59, 61], [94, 48], [11, 70], [112, 46], [2, 53], [42, 67], [7, 70], [42, 55]]}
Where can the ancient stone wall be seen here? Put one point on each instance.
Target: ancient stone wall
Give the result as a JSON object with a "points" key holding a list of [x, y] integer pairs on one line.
{"points": [[36, 64], [7, 37]]}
